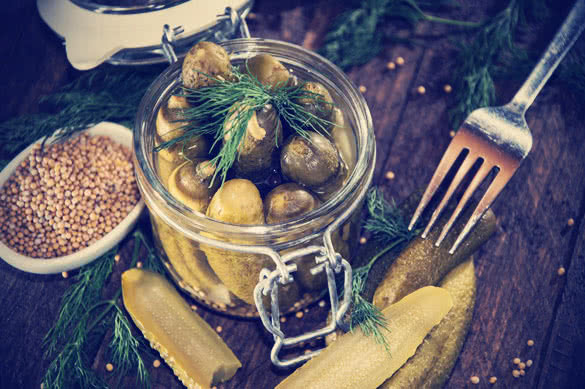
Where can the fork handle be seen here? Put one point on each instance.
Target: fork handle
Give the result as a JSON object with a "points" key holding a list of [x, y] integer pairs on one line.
{"points": [[556, 51]]}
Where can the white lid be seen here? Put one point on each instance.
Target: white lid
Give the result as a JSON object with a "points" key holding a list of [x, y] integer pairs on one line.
{"points": [[92, 38]]}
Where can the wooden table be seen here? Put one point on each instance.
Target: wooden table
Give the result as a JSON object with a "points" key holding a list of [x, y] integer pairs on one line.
{"points": [[520, 294]]}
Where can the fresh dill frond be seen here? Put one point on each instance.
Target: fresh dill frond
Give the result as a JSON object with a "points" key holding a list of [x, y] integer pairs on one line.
{"points": [[387, 225], [358, 34], [224, 109], [479, 61], [124, 350], [94, 97], [76, 301]]}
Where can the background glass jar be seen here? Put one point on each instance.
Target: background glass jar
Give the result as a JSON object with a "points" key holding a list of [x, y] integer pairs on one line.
{"points": [[193, 246]]}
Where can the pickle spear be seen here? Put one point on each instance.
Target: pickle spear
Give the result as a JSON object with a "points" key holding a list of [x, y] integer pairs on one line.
{"points": [[357, 361], [422, 263], [430, 367], [197, 355]]}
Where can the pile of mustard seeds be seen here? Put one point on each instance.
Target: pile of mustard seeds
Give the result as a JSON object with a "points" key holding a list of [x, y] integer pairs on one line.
{"points": [[67, 196]]}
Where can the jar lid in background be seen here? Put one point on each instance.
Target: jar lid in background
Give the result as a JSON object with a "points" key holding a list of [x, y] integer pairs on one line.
{"points": [[128, 32]]}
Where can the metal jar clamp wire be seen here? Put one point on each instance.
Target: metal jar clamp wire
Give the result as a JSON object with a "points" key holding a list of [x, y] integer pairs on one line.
{"points": [[232, 20], [326, 258]]}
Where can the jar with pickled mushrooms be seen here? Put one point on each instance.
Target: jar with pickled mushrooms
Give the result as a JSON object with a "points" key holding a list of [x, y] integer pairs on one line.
{"points": [[259, 205]]}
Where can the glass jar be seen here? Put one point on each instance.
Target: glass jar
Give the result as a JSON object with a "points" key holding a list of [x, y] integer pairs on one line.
{"points": [[199, 252]]}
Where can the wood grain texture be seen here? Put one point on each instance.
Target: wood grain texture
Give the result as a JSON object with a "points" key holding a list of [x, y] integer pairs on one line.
{"points": [[520, 295]]}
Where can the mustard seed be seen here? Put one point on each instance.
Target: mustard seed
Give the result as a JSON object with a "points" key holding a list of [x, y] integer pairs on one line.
{"points": [[219, 329], [363, 240], [516, 361], [474, 380], [529, 363], [109, 367], [421, 90], [516, 373], [363, 88], [521, 365], [561, 271], [283, 319], [447, 88], [299, 314], [522, 372], [399, 61], [570, 222], [156, 363], [493, 380], [391, 65], [322, 303], [390, 175], [530, 342]]}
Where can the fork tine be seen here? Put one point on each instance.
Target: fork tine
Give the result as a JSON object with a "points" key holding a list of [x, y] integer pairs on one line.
{"points": [[447, 161], [481, 174], [461, 173], [488, 198]]}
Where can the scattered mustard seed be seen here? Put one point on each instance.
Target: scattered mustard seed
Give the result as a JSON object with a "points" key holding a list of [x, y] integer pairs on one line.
{"points": [[117, 258], [299, 314], [474, 380], [516, 361], [391, 65], [308, 351], [156, 363], [399, 61], [109, 367], [530, 342], [363, 240], [447, 88], [139, 264], [570, 222], [421, 90], [194, 307], [64, 274], [390, 175], [515, 373], [529, 363], [363, 88], [283, 319], [219, 329], [322, 303], [451, 133], [561, 271], [493, 380], [522, 372], [521, 365]]}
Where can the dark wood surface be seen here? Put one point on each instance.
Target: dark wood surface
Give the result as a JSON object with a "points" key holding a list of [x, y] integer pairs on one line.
{"points": [[520, 295]]}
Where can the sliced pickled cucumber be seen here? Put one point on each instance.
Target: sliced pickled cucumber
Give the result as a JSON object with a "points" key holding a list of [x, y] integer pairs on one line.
{"points": [[430, 367], [422, 263], [357, 361], [197, 355]]}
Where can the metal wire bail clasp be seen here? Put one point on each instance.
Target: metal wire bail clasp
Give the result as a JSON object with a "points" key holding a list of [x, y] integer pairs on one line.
{"points": [[326, 260], [168, 39]]}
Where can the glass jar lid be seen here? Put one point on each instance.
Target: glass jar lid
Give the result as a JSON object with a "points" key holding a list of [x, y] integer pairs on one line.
{"points": [[128, 32]]}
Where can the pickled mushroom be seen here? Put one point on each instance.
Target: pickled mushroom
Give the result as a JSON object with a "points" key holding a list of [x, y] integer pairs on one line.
{"points": [[314, 163], [268, 70], [256, 149], [319, 103], [288, 201], [190, 184], [205, 60]]}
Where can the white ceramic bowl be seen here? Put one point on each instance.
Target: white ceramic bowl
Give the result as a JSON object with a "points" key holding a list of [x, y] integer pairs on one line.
{"points": [[84, 256]]}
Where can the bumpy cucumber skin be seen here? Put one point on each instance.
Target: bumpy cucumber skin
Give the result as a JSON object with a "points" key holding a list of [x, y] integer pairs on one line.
{"points": [[422, 264], [357, 361], [430, 367], [162, 315]]}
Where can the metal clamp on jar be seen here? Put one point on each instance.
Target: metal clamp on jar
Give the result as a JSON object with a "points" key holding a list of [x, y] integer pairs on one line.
{"points": [[270, 253]]}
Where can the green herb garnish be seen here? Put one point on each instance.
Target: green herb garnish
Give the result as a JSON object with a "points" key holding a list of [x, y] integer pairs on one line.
{"points": [[84, 315], [227, 106], [358, 35], [387, 225]]}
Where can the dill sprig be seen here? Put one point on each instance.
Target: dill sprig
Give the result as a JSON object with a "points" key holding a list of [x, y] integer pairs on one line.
{"points": [[84, 314], [387, 225], [93, 97], [358, 34], [479, 61], [227, 106]]}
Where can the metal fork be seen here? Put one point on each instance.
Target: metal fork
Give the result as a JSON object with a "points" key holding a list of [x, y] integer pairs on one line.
{"points": [[496, 136]]}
